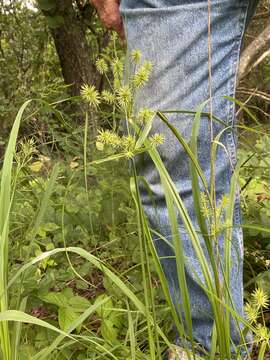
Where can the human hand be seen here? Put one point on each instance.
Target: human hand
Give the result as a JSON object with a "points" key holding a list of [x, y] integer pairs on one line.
{"points": [[108, 12]]}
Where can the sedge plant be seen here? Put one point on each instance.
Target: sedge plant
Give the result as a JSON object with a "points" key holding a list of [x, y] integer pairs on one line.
{"points": [[215, 219], [141, 314]]}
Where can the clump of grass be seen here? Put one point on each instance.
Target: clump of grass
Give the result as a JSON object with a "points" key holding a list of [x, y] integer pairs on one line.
{"points": [[214, 219]]}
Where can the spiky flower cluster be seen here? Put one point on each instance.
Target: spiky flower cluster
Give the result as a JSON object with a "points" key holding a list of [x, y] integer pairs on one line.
{"points": [[90, 94], [108, 137], [124, 143], [128, 142], [254, 310], [124, 96], [28, 148], [121, 96], [251, 313], [102, 66], [142, 75], [214, 216], [205, 205], [157, 139], [223, 203], [117, 67], [145, 115], [135, 56], [260, 299], [262, 333], [108, 97]]}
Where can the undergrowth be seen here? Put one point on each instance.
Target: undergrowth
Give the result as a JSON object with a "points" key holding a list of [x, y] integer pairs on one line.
{"points": [[77, 261]]}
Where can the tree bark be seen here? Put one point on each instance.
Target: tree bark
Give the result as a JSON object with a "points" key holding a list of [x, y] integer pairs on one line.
{"points": [[69, 34], [254, 51]]}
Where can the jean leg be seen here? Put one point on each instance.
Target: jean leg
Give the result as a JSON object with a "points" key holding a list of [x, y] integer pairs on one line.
{"points": [[173, 35]]}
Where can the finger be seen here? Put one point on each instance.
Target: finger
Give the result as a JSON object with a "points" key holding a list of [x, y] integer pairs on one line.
{"points": [[109, 15], [119, 28]]}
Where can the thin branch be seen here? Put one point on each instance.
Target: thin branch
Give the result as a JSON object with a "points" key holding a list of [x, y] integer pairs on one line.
{"points": [[253, 51]]}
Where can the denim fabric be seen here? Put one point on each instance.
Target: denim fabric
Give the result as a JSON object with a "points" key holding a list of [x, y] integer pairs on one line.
{"points": [[173, 35]]}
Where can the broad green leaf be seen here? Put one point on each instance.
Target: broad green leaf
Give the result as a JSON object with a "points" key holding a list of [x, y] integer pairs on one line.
{"points": [[66, 316], [68, 292], [55, 298], [108, 330], [79, 303]]}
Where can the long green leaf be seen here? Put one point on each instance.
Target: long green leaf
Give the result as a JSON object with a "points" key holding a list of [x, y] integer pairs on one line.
{"points": [[5, 205], [20, 316]]}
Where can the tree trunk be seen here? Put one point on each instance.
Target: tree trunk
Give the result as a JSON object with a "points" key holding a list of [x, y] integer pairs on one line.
{"points": [[69, 34]]}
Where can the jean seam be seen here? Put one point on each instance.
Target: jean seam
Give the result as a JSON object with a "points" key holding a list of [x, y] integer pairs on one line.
{"points": [[163, 9]]}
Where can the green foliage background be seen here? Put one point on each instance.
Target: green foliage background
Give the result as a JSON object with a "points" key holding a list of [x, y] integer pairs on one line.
{"points": [[94, 211]]}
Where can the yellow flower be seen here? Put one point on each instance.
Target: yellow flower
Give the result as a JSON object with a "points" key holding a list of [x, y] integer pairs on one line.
{"points": [[90, 94], [124, 96], [118, 67], [108, 96], [102, 66], [260, 299], [128, 142], [108, 137], [142, 75], [224, 201], [136, 56], [157, 139], [129, 154], [251, 313], [145, 115]]}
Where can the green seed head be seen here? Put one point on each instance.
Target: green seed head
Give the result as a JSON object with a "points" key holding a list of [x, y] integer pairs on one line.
{"points": [[108, 137], [90, 95], [102, 66], [145, 115], [157, 139], [251, 313], [128, 142], [124, 96], [260, 299], [136, 56], [118, 67], [142, 75], [108, 97]]}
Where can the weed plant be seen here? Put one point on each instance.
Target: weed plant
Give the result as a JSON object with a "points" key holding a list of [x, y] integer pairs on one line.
{"points": [[127, 321]]}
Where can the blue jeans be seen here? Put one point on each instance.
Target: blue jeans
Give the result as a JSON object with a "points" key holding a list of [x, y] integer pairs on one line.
{"points": [[173, 35]]}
